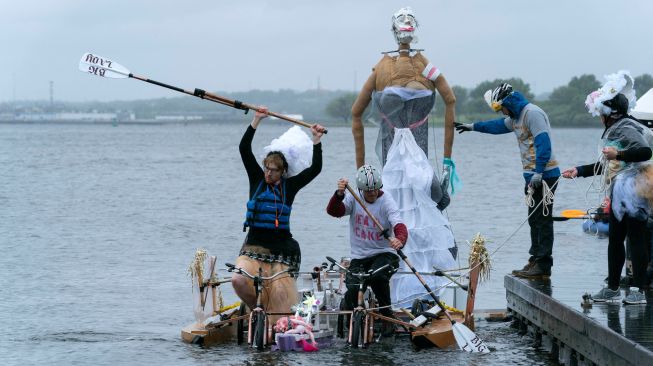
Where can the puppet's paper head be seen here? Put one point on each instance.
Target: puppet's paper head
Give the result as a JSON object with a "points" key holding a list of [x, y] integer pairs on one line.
{"points": [[404, 25]]}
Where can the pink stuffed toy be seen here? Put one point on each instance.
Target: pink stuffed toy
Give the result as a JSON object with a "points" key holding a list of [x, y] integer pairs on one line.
{"points": [[281, 325], [299, 326]]}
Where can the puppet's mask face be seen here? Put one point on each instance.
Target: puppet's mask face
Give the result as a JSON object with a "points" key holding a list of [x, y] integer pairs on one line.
{"points": [[404, 25]]}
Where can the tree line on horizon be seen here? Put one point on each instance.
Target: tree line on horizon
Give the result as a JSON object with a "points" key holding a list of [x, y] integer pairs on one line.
{"points": [[565, 105]]}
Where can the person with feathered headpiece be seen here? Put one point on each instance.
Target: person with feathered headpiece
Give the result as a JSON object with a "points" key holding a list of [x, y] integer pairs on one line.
{"points": [[626, 150]]}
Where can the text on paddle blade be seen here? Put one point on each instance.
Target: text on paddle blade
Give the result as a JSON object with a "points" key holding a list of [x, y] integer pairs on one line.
{"points": [[92, 59]]}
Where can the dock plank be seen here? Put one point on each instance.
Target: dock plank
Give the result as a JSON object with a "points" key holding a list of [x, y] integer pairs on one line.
{"points": [[594, 334]]}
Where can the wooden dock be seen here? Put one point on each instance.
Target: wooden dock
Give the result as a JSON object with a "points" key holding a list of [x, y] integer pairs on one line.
{"points": [[575, 335]]}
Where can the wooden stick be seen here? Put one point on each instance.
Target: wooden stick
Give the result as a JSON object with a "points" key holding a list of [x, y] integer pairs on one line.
{"points": [[200, 284], [408, 313], [208, 281], [471, 294], [213, 289], [392, 320]]}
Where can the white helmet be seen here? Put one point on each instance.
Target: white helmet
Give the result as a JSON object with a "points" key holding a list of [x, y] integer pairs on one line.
{"points": [[368, 178], [494, 97], [404, 25]]}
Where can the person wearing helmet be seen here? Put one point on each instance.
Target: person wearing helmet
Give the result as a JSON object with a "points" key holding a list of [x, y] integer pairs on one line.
{"points": [[369, 247], [402, 88], [269, 244], [533, 131], [627, 146]]}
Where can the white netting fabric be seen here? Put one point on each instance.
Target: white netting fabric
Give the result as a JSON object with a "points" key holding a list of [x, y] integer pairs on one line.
{"points": [[625, 198], [297, 148], [407, 177], [624, 135], [400, 107]]}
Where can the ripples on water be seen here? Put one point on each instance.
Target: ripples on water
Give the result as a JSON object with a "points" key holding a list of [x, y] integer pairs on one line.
{"points": [[99, 224]]}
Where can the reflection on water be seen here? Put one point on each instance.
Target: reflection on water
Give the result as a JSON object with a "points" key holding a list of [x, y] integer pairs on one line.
{"points": [[635, 322], [99, 224]]}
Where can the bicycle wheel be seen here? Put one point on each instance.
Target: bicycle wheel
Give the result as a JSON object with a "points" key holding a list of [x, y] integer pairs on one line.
{"points": [[370, 322], [240, 325], [357, 325], [259, 330], [342, 318]]}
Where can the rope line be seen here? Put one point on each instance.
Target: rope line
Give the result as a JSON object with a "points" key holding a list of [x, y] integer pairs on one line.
{"points": [[547, 197], [493, 253]]}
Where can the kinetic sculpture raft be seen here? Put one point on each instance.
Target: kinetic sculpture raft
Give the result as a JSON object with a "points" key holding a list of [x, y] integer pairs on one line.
{"points": [[217, 324]]}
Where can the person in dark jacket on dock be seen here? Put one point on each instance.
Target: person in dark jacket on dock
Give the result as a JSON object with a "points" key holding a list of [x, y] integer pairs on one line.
{"points": [[533, 131], [269, 243], [626, 143]]}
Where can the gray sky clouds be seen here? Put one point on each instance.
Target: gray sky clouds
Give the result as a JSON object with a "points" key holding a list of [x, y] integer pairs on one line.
{"points": [[241, 45]]}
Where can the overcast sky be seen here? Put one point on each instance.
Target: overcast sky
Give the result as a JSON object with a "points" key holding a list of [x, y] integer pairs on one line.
{"points": [[241, 45]]}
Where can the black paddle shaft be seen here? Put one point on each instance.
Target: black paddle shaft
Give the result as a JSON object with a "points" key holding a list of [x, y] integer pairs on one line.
{"points": [[200, 93], [197, 93], [563, 218]]}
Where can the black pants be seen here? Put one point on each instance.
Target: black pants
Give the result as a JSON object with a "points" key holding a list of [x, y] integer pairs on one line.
{"points": [[541, 228], [649, 226], [637, 234], [380, 282]]}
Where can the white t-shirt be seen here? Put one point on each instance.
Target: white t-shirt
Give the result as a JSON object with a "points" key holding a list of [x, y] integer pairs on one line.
{"points": [[365, 238]]}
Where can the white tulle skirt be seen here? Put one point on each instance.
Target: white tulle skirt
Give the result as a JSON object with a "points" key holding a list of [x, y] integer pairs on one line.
{"points": [[407, 176]]}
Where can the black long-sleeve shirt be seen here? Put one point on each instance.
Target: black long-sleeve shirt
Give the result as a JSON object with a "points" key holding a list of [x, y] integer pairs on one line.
{"points": [[628, 132], [274, 238], [632, 155]]}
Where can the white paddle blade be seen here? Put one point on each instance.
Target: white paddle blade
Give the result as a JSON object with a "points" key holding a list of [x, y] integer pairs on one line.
{"points": [[102, 66], [467, 340]]}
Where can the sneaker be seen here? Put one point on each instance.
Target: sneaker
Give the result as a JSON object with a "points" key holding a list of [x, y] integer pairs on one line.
{"points": [[537, 270], [526, 268], [635, 297], [607, 295]]}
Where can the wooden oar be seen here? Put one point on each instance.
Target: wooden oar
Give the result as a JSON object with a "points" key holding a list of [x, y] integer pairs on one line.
{"points": [[465, 338], [106, 68]]}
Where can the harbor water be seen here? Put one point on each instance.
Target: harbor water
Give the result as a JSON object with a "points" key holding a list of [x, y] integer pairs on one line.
{"points": [[98, 224]]}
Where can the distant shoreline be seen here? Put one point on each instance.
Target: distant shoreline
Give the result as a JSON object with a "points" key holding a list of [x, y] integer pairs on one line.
{"points": [[210, 122]]}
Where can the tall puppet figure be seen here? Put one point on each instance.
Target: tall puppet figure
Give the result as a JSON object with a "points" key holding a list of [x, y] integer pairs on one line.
{"points": [[403, 89]]}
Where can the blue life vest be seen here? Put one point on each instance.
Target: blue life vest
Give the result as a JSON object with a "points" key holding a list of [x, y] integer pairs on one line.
{"points": [[268, 209]]}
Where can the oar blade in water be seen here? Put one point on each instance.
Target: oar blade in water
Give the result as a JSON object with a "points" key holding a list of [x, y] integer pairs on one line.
{"points": [[467, 340]]}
